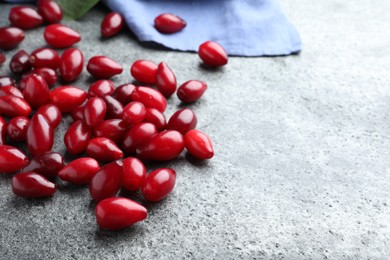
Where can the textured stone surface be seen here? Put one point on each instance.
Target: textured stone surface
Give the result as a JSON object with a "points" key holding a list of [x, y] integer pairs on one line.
{"points": [[302, 165]]}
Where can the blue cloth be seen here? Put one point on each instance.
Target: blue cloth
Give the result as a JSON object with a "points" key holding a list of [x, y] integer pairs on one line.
{"points": [[242, 27]]}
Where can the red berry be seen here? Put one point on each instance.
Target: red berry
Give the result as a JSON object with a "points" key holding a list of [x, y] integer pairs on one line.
{"points": [[117, 213], [213, 54], [144, 71], [103, 149], [151, 98], [20, 62], [111, 24], [114, 129], [67, 97], [137, 136], [47, 164], [51, 113], [3, 130], [71, 64], [134, 113], [17, 128], [94, 111], [182, 120], [44, 58], [6, 81], [158, 184], [77, 137], [50, 11], [10, 37], [40, 135], [114, 108], [134, 173], [2, 58], [80, 171], [199, 144], [155, 117], [10, 90], [191, 91], [49, 75], [78, 113], [32, 185], [123, 93], [11, 159], [165, 79], [60, 36], [101, 88], [164, 146], [24, 17], [36, 91], [169, 23], [107, 181], [102, 67], [12, 106]]}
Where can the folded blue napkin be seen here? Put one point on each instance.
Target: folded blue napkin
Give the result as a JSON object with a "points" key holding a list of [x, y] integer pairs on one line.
{"points": [[242, 27]]}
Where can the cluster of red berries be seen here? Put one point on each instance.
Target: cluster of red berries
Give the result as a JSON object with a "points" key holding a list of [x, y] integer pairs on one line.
{"points": [[109, 122]]}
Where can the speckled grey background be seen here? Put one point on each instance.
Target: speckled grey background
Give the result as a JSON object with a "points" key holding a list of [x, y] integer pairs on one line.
{"points": [[301, 170]]}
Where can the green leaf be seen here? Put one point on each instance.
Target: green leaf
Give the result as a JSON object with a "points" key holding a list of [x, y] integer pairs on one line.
{"points": [[74, 9]]}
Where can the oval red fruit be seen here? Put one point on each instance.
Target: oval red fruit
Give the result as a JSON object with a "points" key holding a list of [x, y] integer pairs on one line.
{"points": [[111, 24], [213, 54], [134, 174], [11, 159], [144, 71], [50, 11], [66, 98], [123, 93], [77, 137], [71, 64], [24, 17], [151, 98], [102, 67], [32, 185], [165, 80], [101, 88], [10, 90], [36, 91], [107, 181], [79, 171], [47, 164], [164, 146], [60, 36], [78, 113], [20, 62], [12, 106], [40, 135], [94, 111], [155, 117], [10, 37], [45, 58], [114, 129], [114, 107], [51, 113], [191, 90], [158, 184], [117, 213], [136, 136], [17, 128], [169, 23], [182, 120], [133, 113], [103, 149], [198, 144], [49, 75]]}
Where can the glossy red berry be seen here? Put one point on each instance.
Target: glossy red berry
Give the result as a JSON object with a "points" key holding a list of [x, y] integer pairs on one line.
{"points": [[7, 81], [77, 137], [49, 75], [151, 98], [198, 144], [11, 159], [40, 135], [36, 91], [32, 185], [12, 106], [107, 181], [101, 88], [117, 213], [123, 93], [134, 113], [50, 11], [2, 58], [191, 91], [17, 128], [144, 71], [114, 107], [60, 36], [45, 58], [164, 146], [66, 98], [10, 90], [182, 120], [169, 23], [137, 136], [24, 17], [213, 54], [103, 149], [10, 37], [134, 174], [71, 64], [78, 113], [111, 24], [155, 117], [94, 111], [47, 164], [158, 184], [51, 113], [165, 80], [114, 129], [102, 67], [80, 171], [3, 130], [20, 62]]}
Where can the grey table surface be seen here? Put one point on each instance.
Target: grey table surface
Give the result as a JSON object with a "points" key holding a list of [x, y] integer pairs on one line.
{"points": [[301, 169]]}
